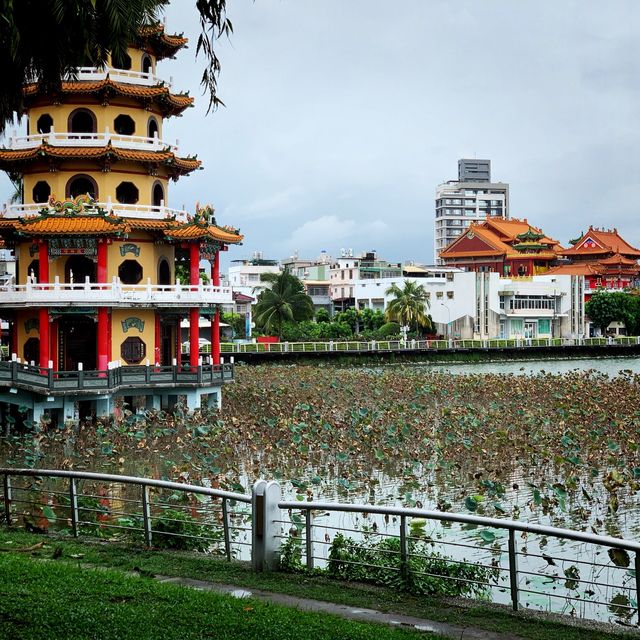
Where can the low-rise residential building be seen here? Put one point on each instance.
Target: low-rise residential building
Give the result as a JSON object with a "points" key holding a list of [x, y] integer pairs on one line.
{"points": [[244, 275], [348, 269]]}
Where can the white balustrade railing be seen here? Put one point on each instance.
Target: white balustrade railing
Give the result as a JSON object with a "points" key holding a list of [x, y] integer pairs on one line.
{"points": [[139, 211], [143, 78], [112, 293], [99, 139]]}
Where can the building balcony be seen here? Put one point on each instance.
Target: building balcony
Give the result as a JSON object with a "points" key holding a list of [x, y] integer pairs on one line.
{"points": [[145, 79], [98, 139], [112, 294], [140, 211], [16, 375]]}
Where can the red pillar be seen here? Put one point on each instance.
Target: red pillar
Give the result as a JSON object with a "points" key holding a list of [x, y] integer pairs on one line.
{"points": [[43, 314], [194, 312], [194, 336], [102, 260], [43, 317], [43, 261], [103, 338], [215, 323], [158, 340], [194, 263]]}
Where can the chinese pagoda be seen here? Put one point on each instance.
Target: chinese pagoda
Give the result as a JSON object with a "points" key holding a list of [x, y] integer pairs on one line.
{"points": [[509, 247], [105, 270], [604, 258]]}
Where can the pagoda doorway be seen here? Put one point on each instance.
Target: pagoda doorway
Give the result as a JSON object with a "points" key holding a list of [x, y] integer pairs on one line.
{"points": [[77, 343]]}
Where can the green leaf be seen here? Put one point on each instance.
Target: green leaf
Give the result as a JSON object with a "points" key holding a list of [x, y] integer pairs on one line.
{"points": [[471, 503], [619, 557], [487, 536], [48, 513]]}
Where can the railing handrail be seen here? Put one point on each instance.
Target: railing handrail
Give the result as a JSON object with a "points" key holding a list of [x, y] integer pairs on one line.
{"points": [[156, 212], [65, 138], [113, 286], [431, 344], [135, 77], [443, 516], [112, 477]]}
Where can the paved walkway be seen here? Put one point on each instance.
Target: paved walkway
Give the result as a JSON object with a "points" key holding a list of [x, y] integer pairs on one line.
{"points": [[366, 615]]}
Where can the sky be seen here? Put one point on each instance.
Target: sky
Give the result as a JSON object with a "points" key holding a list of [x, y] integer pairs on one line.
{"points": [[342, 117]]}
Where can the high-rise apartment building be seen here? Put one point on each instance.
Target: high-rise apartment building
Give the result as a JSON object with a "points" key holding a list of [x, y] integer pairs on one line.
{"points": [[470, 198]]}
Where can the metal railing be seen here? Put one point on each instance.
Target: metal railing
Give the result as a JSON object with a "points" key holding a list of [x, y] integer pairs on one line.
{"points": [[68, 139], [513, 561], [354, 346], [114, 293], [18, 375]]}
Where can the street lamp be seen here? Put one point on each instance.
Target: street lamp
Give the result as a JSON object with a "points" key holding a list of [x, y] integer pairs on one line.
{"points": [[448, 320]]}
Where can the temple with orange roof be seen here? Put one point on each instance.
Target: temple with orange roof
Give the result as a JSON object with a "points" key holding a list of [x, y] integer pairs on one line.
{"points": [[509, 247], [604, 258], [105, 269]]}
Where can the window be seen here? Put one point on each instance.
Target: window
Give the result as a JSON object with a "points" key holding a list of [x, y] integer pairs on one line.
{"points": [[158, 195], [133, 350], [164, 272], [80, 185], [82, 121], [41, 191], [127, 193], [130, 272], [450, 295], [45, 123], [147, 64], [124, 125], [152, 128]]}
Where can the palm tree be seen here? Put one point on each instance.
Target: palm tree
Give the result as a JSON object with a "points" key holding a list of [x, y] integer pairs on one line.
{"points": [[409, 305], [284, 301], [43, 40]]}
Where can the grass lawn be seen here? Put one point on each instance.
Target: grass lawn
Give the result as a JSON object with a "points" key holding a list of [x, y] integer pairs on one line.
{"points": [[203, 567], [58, 600]]}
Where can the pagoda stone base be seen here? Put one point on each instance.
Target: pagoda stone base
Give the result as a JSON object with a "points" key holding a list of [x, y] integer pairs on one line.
{"points": [[28, 406]]}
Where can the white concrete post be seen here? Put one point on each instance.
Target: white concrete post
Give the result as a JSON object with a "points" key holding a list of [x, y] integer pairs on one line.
{"points": [[80, 366], [265, 543]]}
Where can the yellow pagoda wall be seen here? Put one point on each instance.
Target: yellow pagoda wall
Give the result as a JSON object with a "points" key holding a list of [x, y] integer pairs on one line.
{"points": [[105, 115], [147, 335], [22, 318], [107, 182]]}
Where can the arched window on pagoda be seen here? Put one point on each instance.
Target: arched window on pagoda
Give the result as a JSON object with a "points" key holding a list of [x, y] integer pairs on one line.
{"points": [[82, 121], [41, 192], [152, 127], [124, 125], [127, 193], [44, 124], [158, 194], [164, 272], [147, 64], [81, 185]]}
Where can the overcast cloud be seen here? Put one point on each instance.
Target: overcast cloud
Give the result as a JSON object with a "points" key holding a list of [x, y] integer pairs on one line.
{"points": [[342, 116]]}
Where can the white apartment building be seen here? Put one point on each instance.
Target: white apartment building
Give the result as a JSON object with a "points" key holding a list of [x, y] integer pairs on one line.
{"points": [[470, 198], [467, 305], [244, 275]]}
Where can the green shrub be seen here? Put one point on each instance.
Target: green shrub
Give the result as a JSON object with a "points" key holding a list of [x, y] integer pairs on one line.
{"points": [[379, 563], [176, 529], [389, 329]]}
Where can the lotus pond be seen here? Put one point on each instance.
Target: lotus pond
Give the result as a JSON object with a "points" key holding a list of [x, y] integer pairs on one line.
{"points": [[553, 448]]}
